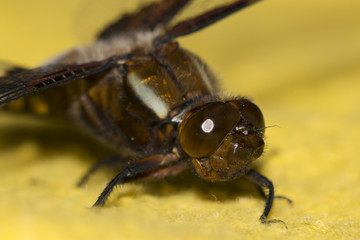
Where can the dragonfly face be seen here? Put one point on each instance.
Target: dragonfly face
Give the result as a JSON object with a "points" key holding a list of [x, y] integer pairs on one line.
{"points": [[153, 102], [223, 138]]}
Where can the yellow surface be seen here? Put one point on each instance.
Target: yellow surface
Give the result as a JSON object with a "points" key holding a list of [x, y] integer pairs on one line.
{"points": [[299, 60]]}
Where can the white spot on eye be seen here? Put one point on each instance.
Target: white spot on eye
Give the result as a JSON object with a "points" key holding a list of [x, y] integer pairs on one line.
{"points": [[207, 126]]}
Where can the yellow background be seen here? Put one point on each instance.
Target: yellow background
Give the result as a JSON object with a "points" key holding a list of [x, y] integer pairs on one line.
{"points": [[299, 61]]}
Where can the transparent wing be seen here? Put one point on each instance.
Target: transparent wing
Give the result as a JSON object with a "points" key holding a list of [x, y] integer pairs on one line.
{"points": [[8, 68], [203, 20], [147, 18], [93, 16], [106, 18], [160, 14], [26, 82]]}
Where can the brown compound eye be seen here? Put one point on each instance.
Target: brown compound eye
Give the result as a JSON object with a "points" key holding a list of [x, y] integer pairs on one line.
{"points": [[203, 131], [252, 114]]}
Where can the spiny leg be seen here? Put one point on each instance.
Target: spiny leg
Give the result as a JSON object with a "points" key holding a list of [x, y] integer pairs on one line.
{"points": [[110, 161], [156, 166], [128, 174], [263, 195], [262, 181]]}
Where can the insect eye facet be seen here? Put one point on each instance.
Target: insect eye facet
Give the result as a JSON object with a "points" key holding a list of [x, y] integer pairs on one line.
{"points": [[204, 130], [252, 114]]}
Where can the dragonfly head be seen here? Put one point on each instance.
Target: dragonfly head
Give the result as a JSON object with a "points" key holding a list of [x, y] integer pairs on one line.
{"points": [[223, 138]]}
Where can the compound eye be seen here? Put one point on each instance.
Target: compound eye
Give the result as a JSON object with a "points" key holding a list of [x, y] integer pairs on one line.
{"points": [[252, 114], [204, 130]]}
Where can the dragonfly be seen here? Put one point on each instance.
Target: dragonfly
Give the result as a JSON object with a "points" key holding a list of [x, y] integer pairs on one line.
{"points": [[154, 103]]}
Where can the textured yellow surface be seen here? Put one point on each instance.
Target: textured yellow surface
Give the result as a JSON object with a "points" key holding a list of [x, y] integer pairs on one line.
{"points": [[299, 60]]}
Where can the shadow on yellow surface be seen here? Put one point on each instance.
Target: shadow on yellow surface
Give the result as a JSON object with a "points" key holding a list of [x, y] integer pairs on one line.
{"points": [[299, 61]]}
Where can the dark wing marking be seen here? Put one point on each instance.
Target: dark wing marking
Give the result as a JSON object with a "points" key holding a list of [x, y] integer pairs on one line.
{"points": [[150, 16], [30, 81], [199, 22]]}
